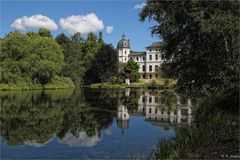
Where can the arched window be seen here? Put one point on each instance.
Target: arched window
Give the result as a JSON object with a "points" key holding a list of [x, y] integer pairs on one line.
{"points": [[156, 56], [150, 57], [150, 99], [150, 68], [137, 58], [156, 67], [125, 52]]}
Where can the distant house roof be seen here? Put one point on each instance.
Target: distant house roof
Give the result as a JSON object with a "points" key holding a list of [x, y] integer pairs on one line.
{"points": [[155, 45], [133, 53]]}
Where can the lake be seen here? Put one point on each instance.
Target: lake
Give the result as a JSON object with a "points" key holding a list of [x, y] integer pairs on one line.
{"points": [[88, 123]]}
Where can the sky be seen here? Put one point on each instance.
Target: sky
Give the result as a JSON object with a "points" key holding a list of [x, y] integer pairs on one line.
{"points": [[112, 18]]}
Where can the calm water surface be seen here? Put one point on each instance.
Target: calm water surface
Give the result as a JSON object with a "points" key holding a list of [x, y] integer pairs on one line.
{"points": [[87, 123]]}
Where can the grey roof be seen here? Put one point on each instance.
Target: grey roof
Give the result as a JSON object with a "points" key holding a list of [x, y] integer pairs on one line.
{"points": [[133, 53], [155, 45], [124, 42]]}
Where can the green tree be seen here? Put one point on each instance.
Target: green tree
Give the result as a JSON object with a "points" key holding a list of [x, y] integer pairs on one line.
{"points": [[103, 66], [44, 32], [29, 59], [130, 71], [100, 40], [73, 57], [64, 42], [200, 38], [89, 48]]}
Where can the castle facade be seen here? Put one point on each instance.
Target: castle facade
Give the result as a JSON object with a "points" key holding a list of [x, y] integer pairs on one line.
{"points": [[149, 61]]}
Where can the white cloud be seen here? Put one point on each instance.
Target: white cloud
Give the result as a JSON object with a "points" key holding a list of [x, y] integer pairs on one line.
{"points": [[82, 140], [109, 29], [34, 143], [140, 5], [82, 23], [34, 22]]}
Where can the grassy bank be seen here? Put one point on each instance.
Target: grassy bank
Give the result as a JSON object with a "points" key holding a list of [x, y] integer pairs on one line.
{"points": [[108, 85], [151, 84], [57, 83]]}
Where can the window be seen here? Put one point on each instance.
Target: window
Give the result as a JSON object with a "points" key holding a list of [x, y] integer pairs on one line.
{"points": [[125, 52], [156, 76], [144, 76], [156, 67], [156, 56], [150, 50], [156, 99], [125, 59], [137, 58], [144, 58], [156, 110], [143, 68], [162, 56], [150, 110], [162, 111], [143, 99], [150, 76], [175, 112], [150, 57], [150, 99], [150, 68]]}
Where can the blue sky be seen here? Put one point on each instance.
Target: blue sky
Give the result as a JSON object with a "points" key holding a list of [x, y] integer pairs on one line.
{"points": [[121, 15]]}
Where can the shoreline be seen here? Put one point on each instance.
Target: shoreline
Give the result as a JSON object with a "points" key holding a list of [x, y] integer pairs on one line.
{"points": [[152, 84]]}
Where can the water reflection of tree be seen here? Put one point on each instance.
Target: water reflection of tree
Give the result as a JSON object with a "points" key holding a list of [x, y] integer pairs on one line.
{"points": [[22, 120], [131, 100], [168, 99], [37, 116], [104, 105]]}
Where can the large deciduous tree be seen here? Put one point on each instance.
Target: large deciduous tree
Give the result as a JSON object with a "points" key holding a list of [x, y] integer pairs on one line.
{"points": [[104, 65], [73, 57], [29, 58], [201, 42]]}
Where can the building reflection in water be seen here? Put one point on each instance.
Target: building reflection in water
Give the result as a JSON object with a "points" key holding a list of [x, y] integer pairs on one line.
{"points": [[177, 111], [123, 118]]}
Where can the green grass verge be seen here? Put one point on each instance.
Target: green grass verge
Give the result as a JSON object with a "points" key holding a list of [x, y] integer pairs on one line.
{"points": [[108, 85], [151, 84], [57, 83]]}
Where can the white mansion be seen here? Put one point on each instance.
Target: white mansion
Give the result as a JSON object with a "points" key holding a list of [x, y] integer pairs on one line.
{"points": [[148, 61]]}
